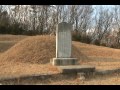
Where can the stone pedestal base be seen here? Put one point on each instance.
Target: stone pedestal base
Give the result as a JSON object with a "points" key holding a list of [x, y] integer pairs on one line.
{"points": [[64, 61]]}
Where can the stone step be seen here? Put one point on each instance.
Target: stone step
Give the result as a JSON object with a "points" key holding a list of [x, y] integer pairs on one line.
{"points": [[64, 61], [76, 69]]}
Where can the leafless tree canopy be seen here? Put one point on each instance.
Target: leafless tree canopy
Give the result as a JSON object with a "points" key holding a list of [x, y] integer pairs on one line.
{"points": [[97, 25]]}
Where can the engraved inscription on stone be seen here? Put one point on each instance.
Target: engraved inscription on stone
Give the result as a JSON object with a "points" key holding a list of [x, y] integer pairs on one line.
{"points": [[63, 40]]}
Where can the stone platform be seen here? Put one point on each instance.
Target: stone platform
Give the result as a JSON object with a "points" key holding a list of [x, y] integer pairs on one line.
{"points": [[64, 61], [77, 69]]}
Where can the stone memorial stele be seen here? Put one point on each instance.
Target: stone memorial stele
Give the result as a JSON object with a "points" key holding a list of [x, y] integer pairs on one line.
{"points": [[64, 45]]}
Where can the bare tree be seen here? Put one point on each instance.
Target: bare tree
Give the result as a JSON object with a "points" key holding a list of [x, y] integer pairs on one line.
{"points": [[103, 23]]}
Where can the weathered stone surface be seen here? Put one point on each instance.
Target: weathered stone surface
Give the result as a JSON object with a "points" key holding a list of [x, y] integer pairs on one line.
{"points": [[76, 69], [64, 61], [64, 45], [63, 40]]}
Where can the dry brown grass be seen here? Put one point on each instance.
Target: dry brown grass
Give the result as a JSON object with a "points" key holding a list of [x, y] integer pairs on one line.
{"points": [[97, 51], [10, 69], [8, 37], [36, 49], [29, 56], [32, 56], [5, 45], [101, 57], [7, 41], [99, 80]]}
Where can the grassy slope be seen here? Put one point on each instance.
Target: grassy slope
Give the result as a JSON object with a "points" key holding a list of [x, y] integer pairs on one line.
{"points": [[7, 41], [11, 69], [8, 37], [101, 57]]}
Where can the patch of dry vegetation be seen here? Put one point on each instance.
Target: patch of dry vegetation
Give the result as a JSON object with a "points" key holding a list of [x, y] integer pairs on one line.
{"points": [[32, 56], [7, 41], [8, 37], [40, 49], [97, 51], [10, 69], [36, 49], [29, 56], [5, 45], [99, 56], [97, 80]]}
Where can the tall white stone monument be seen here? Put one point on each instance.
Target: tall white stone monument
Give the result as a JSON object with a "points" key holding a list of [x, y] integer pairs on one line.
{"points": [[64, 45]]}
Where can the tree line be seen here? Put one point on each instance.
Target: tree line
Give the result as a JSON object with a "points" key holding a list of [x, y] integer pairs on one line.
{"points": [[94, 25]]}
